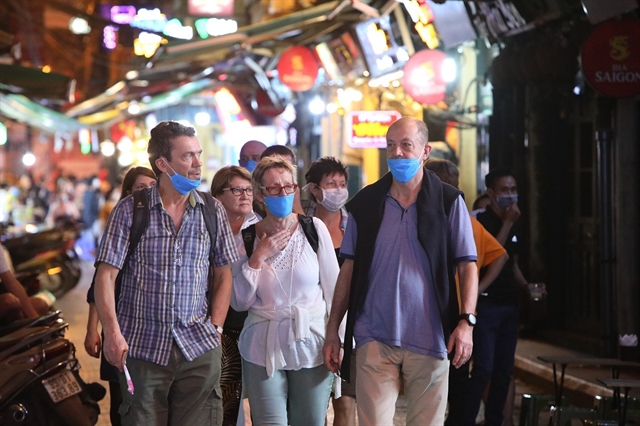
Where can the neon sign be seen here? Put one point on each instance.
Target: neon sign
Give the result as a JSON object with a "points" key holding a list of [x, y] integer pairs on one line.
{"points": [[215, 27], [150, 20], [109, 36]]}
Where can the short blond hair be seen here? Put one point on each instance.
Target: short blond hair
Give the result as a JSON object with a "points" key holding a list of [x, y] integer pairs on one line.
{"points": [[268, 163]]}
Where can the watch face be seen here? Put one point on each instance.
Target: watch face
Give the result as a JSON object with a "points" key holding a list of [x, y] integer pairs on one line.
{"points": [[472, 319]]}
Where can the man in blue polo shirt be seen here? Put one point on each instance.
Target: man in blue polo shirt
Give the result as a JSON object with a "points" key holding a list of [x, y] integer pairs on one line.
{"points": [[406, 235]]}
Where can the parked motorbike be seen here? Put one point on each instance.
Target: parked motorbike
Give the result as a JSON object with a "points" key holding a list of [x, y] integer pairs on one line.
{"points": [[40, 382], [48, 255]]}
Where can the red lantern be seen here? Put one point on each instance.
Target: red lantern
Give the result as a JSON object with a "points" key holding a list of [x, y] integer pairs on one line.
{"points": [[298, 68], [422, 78]]}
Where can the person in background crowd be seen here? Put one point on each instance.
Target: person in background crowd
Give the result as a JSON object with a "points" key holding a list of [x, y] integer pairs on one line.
{"points": [[491, 258], [232, 187], [287, 288], [62, 211], [406, 234], [166, 331], [496, 335], [136, 179], [327, 181], [250, 154], [480, 204], [290, 157], [14, 301]]}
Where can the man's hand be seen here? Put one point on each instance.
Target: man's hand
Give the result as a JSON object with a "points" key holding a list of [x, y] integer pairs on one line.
{"points": [[93, 343], [462, 341], [512, 213], [114, 348], [332, 352]]}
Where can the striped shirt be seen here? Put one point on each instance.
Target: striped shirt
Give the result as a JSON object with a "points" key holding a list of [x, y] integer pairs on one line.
{"points": [[163, 293]]}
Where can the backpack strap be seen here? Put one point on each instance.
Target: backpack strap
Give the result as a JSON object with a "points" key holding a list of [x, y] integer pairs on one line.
{"points": [[210, 211], [139, 225], [248, 237], [309, 231]]}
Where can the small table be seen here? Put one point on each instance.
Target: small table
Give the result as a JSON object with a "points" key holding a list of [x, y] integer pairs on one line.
{"points": [[614, 363], [616, 384]]}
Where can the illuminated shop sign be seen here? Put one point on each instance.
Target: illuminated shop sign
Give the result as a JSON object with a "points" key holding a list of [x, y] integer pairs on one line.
{"points": [[381, 51], [230, 113], [368, 129], [210, 7], [110, 37], [215, 27], [610, 58], [122, 14], [423, 18], [150, 20], [147, 44]]}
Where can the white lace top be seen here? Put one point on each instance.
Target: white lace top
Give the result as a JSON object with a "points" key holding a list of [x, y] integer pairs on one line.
{"points": [[295, 283]]}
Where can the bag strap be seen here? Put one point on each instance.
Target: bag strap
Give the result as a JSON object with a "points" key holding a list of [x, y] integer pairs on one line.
{"points": [[209, 211], [249, 236], [310, 231]]}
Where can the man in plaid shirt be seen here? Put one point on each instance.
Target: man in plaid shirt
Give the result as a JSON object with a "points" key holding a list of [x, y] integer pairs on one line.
{"points": [[162, 333]]}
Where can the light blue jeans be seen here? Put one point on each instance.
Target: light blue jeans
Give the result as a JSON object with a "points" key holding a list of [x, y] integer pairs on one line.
{"points": [[307, 391]]}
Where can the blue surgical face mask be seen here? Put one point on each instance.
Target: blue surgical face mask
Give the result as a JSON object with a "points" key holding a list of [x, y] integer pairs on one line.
{"points": [[248, 164], [182, 184], [279, 206], [403, 169]]}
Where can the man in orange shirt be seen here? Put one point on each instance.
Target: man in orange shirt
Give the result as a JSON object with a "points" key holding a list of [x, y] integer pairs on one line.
{"points": [[491, 257]]}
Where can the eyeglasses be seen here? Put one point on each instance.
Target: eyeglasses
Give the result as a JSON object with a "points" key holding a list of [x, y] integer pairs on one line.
{"points": [[238, 191], [277, 190]]}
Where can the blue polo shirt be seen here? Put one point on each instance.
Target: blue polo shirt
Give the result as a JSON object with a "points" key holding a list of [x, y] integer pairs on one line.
{"points": [[401, 308]]}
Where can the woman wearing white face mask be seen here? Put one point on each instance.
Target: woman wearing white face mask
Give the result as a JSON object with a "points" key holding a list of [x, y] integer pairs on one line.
{"points": [[327, 182]]}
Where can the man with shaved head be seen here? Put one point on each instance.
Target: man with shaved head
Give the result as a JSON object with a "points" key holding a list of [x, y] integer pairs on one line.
{"points": [[250, 154], [406, 235]]}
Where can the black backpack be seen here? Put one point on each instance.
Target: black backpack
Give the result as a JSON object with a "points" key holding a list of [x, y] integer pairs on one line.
{"points": [[139, 225], [249, 234]]}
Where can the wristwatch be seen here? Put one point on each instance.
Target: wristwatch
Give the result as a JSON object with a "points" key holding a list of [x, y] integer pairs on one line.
{"points": [[469, 318], [218, 329]]}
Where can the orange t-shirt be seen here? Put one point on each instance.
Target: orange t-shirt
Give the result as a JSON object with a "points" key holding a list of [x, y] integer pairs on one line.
{"points": [[488, 248]]}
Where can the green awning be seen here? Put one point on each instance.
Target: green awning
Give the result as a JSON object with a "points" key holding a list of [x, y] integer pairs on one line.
{"points": [[34, 83], [20, 108], [171, 97]]}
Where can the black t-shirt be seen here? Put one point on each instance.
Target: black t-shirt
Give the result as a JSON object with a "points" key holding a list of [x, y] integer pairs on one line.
{"points": [[504, 289]]}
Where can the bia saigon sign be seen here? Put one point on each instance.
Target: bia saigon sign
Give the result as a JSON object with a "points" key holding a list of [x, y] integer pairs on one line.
{"points": [[611, 58]]}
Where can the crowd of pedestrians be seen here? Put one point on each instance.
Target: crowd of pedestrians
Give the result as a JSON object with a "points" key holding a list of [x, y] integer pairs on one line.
{"points": [[249, 291]]}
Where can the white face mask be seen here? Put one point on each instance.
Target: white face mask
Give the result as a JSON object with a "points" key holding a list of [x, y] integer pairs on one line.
{"points": [[333, 199]]}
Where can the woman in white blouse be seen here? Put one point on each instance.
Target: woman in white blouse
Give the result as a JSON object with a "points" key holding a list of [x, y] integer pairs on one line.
{"points": [[287, 289]]}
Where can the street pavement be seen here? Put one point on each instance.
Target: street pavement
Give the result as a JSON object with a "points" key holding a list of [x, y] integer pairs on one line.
{"points": [[532, 376]]}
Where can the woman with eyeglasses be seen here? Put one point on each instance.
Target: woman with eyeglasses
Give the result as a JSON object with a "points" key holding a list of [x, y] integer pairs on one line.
{"points": [[232, 187], [287, 287]]}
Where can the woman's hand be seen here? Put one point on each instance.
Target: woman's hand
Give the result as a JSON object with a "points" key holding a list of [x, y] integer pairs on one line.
{"points": [[268, 247]]}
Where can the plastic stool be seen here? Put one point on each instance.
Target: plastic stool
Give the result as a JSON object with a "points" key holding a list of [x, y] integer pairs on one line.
{"points": [[560, 416], [532, 405]]}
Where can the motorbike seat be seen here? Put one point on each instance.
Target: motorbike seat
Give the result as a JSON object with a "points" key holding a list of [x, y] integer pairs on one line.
{"points": [[46, 319]]}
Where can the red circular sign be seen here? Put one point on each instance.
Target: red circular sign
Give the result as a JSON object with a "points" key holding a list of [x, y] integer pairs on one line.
{"points": [[422, 78], [611, 58], [298, 68]]}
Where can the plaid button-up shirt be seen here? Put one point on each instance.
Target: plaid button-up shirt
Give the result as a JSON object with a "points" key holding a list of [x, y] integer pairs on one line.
{"points": [[163, 293]]}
